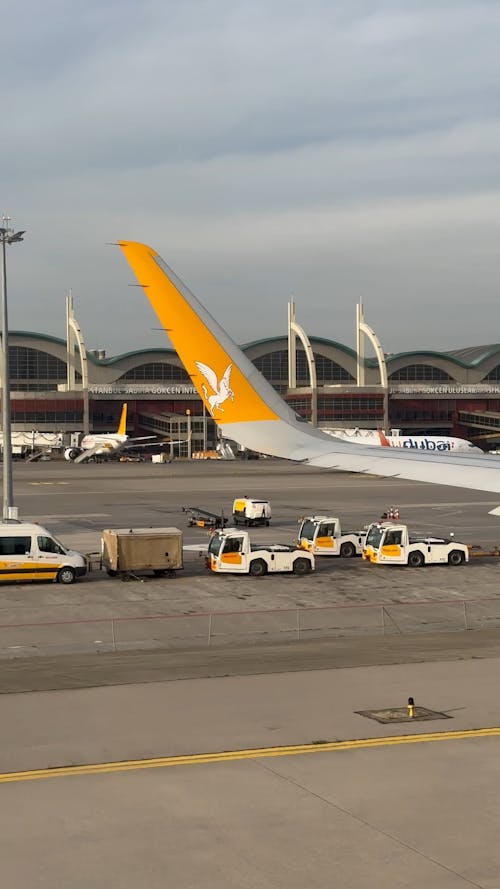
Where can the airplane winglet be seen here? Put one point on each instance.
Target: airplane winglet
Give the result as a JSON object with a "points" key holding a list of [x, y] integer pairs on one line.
{"points": [[228, 383]]}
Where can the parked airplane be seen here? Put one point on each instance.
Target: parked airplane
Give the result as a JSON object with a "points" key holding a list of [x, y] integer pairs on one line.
{"points": [[248, 409], [107, 444], [378, 438]]}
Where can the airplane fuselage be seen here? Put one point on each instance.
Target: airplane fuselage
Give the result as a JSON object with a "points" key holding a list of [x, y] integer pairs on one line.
{"points": [[105, 442], [373, 438]]}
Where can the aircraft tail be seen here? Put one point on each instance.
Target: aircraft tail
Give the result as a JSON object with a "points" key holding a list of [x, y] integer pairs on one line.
{"points": [[383, 439], [231, 387], [122, 426]]}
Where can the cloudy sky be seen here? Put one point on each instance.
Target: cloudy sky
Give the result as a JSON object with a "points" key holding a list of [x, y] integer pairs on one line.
{"points": [[336, 150]]}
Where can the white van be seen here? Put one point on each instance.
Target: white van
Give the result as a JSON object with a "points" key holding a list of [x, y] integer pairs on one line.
{"points": [[30, 552]]}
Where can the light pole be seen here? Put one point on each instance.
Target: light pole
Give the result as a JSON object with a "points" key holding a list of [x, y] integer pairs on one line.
{"points": [[204, 427], [188, 415], [7, 236]]}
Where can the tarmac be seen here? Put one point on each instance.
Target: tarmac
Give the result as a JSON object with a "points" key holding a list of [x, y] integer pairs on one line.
{"points": [[274, 800], [100, 614]]}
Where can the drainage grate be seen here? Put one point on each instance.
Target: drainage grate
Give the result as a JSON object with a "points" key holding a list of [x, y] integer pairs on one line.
{"points": [[400, 714]]}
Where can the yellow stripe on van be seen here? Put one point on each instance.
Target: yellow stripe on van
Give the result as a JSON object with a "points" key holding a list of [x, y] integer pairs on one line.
{"points": [[28, 570], [225, 391]]}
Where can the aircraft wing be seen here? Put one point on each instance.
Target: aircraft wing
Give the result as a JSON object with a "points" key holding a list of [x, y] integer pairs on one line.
{"points": [[90, 452], [148, 441], [252, 413]]}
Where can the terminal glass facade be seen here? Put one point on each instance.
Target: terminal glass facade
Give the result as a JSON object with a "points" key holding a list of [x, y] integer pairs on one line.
{"points": [[494, 374], [417, 372], [157, 372], [35, 370], [274, 366]]}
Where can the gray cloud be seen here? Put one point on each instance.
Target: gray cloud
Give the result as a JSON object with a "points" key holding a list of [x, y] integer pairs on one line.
{"points": [[337, 151]]}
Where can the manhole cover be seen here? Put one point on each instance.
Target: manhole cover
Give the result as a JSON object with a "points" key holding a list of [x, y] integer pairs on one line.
{"points": [[400, 714]]}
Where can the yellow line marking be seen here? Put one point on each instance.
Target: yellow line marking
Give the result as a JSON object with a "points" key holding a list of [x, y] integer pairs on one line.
{"points": [[236, 755]]}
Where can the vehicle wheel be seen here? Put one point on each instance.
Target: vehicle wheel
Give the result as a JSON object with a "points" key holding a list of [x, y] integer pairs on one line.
{"points": [[66, 575], [159, 572], [347, 550], [111, 573], [257, 568], [416, 559], [301, 567], [267, 523], [456, 557], [235, 522]]}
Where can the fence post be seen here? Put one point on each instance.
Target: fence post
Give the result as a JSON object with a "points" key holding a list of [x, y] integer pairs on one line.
{"points": [[209, 629], [113, 638], [298, 625], [466, 621]]}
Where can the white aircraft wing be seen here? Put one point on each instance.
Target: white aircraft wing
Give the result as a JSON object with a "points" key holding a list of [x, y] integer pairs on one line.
{"points": [[146, 442], [256, 417], [90, 452]]}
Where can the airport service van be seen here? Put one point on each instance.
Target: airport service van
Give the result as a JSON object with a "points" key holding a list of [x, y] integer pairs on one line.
{"points": [[230, 551], [391, 544], [250, 511], [323, 536], [30, 552]]}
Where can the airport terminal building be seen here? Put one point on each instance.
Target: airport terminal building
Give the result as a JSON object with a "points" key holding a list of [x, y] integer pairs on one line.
{"points": [[426, 392]]}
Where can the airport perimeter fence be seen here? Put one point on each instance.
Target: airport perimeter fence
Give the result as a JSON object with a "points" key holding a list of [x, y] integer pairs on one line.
{"points": [[237, 629]]}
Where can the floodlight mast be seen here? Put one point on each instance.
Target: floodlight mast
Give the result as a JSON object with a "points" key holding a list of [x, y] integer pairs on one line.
{"points": [[7, 236]]}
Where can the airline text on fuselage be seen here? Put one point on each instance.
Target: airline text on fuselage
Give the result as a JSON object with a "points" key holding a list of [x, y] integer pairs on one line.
{"points": [[424, 444]]}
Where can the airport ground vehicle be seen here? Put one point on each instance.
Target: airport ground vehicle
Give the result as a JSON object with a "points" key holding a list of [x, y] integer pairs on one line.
{"points": [[391, 544], [323, 536], [126, 552], [250, 511], [202, 518], [231, 551], [30, 552]]}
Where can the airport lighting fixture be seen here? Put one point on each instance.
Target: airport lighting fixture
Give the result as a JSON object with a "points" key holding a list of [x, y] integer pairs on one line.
{"points": [[188, 415], [7, 236]]}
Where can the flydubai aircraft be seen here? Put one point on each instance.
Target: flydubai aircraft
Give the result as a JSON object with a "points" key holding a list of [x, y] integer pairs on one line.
{"points": [[248, 410], [107, 444], [378, 438]]}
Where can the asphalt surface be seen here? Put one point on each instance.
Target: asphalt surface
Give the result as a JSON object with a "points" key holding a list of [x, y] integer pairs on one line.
{"points": [[416, 810], [100, 614]]}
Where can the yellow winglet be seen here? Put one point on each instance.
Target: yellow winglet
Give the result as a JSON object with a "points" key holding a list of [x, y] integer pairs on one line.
{"points": [[220, 372]]}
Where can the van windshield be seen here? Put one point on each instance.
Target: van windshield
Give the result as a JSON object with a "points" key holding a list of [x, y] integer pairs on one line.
{"points": [[374, 536], [215, 545], [307, 530]]}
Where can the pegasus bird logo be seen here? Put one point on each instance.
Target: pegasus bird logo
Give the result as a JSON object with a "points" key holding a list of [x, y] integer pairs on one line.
{"points": [[222, 390]]}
